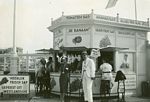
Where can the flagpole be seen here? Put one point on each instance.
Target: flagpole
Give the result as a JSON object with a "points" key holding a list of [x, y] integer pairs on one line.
{"points": [[14, 30], [14, 57], [135, 10]]}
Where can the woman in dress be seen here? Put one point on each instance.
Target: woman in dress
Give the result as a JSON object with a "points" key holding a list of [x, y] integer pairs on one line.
{"points": [[64, 78]]}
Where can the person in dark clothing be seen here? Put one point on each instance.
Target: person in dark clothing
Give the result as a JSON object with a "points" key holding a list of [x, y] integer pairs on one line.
{"points": [[47, 78], [74, 65], [64, 78], [57, 65], [49, 64]]}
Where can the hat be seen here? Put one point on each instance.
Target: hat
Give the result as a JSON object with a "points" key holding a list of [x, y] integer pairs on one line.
{"points": [[43, 61], [84, 52], [63, 58], [50, 58]]}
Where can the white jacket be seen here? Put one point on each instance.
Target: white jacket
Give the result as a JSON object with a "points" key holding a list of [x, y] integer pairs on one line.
{"points": [[89, 66]]}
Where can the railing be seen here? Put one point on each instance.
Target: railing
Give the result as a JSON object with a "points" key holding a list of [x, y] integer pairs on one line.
{"points": [[25, 63], [100, 18], [134, 22], [107, 18]]}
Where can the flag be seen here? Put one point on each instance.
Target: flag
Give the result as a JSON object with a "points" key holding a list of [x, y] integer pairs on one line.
{"points": [[111, 3]]}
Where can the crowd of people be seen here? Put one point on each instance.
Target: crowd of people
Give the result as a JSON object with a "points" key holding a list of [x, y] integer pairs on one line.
{"points": [[88, 69], [42, 76]]}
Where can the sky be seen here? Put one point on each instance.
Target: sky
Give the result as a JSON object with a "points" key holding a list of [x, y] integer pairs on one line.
{"points": [[34, 16]]}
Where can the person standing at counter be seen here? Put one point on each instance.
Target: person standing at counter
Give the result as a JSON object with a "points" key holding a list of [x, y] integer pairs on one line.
{"points": [[49, 64], [49, 69], [64, 78], [106, 80], [88, 75]]}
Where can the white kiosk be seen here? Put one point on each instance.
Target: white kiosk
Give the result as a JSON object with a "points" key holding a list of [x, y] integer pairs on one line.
{"points": [[123, 41]]}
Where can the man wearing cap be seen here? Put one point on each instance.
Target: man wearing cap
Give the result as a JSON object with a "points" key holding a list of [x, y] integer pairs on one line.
{"points": [[88, 75]]}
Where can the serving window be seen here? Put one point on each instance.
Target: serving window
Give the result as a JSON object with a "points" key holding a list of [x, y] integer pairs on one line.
{"points": [[109, 55], [75, 61]]}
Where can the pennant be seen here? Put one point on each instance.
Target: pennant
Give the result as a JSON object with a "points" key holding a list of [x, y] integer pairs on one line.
{"points": [[111, 3]]}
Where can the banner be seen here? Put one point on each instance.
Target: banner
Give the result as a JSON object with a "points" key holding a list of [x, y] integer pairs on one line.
{"points": [[16, 84]]}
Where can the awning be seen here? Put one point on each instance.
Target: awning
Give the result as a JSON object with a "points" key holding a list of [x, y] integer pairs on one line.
{"points": [[41, 51], [112, 49], [82, 48]]}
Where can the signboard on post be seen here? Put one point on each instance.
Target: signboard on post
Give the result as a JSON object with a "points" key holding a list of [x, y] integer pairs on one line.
{"points": [[17, 86], [95, 53]]}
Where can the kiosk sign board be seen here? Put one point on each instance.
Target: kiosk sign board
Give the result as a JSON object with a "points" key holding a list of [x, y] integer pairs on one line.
{"points": [[95, 53], [130, 81], [16, 85]]}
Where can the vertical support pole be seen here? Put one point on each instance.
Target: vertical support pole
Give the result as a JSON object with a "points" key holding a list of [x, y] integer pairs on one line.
{"points": [[14, 57], [135, 10]]}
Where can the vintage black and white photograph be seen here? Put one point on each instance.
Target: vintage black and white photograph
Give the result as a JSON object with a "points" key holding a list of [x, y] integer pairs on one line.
{"points": [[74, 50]]}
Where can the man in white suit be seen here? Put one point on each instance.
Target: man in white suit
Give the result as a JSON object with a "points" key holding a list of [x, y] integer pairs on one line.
{"points": [[88, 75]]}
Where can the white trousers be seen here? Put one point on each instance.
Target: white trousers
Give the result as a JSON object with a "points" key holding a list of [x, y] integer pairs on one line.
{"points": [[87, 88]]}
